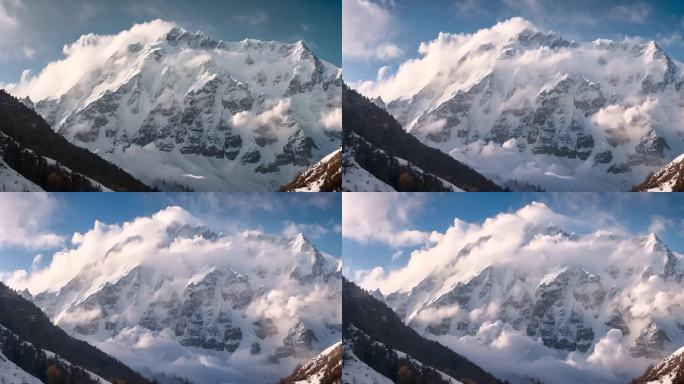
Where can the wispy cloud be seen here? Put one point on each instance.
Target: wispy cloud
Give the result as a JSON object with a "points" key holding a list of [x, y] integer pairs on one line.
{"points": [[382, 218], [672, 39], [25, 219], [637, 12], [367, 30], [253, 19]]}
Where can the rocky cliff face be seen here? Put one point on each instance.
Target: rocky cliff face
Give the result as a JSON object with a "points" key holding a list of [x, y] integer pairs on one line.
{"points": [[326, 368], [667, 371], [324, 176], [669, 178], [515, 93], [207, 111]]}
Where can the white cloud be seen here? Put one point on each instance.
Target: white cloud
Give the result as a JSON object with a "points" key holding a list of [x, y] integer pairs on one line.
{"points": [[397, 255], [550, 12], [11, 43], [35, 264], [673, 39], [253, 19], [332, 119], [508, 228], [7, 22], [636, 12], [367, 30], [25, 219], [659, 224], [438, 56], [312, 231], [382, 218], [382, 72], [469, 7], [89, 52]]}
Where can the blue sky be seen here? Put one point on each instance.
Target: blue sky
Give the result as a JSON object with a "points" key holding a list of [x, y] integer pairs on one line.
{"points": [[317, 216], [407, 23], [34, 31], [637, 213]]}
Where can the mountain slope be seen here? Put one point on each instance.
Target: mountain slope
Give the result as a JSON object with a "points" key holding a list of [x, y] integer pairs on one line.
{"points": [[254, 304], [376, 335], [324, 176], [516, 101], [175, 107], [10, 373], [26, 334], [377, 143], [326, 368], [668, 371], [670, 178], [47, 160]]}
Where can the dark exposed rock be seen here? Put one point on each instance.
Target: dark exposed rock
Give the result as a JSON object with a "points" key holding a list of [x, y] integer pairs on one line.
{"points": [[651, 150], [651, 342], [619, 168], [617, 321], [251, 157], [604, 157], [267, 168], [264, 328]]}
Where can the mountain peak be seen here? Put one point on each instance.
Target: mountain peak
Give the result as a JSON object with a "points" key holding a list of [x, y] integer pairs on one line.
{"points": [[300, 243], [177, 36]]}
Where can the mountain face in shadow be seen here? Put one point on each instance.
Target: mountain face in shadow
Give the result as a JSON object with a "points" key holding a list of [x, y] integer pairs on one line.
{"points": [[46, 159], [375, 141], [30, 341], [375, 335]]}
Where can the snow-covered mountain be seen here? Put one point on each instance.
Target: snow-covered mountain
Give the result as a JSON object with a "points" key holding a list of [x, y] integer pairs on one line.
{"points": [[326, 368], [604, 304], [174, 107], [669, 178], [324, 176], [668, 371], [167, 294], [519, 102]]}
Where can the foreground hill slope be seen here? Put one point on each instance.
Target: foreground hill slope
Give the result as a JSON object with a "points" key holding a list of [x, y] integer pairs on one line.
{"points": [[26, 335], [374, 141], [46, 160], [375, 335]]}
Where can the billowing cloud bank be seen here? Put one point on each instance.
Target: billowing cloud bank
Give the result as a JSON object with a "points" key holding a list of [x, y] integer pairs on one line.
{"points": [[82, 57]]}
